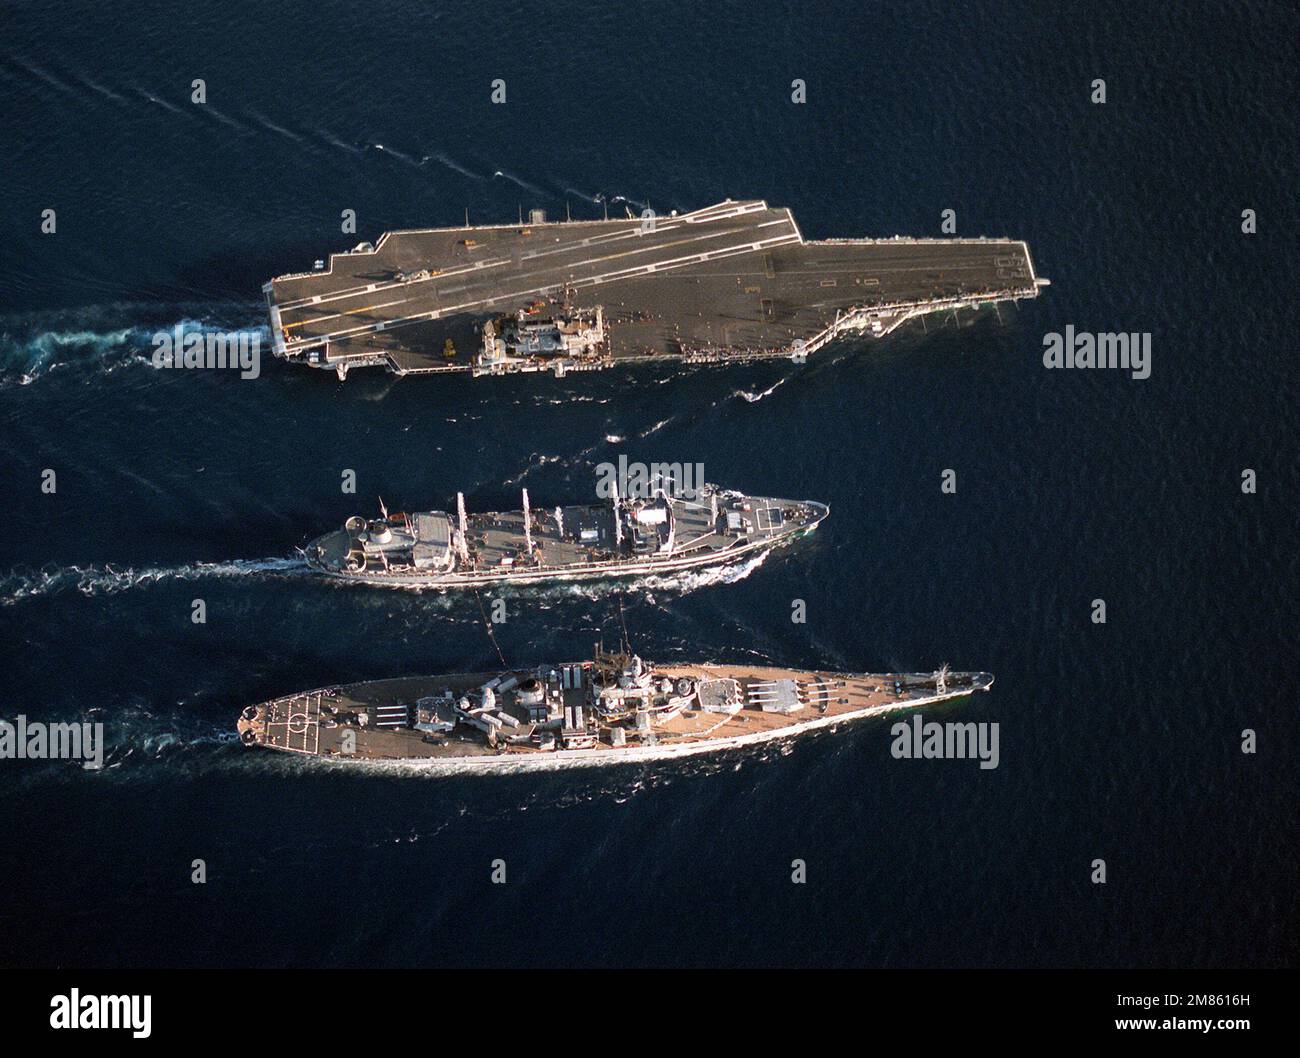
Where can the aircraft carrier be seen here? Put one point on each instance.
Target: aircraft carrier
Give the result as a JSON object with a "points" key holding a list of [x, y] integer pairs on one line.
{"points": [[733, 281], [662, 533], [613, 709]]}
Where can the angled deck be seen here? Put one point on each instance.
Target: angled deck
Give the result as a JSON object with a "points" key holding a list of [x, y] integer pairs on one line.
{"points": [[735, 280]]}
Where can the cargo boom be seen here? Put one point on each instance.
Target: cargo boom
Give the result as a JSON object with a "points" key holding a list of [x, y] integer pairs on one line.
{"points": [[735, 281]]}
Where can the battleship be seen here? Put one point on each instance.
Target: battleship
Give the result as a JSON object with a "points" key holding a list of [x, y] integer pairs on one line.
{"points": [[734, 281], [616, 708], [663, 533]]}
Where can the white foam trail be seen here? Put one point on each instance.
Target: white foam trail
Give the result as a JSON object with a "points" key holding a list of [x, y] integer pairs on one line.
{"points": [[23, 362], [682, 582], [568, 399], [394, 152], [535, 464], [450, 163], [655, 428], [101, 89], [522, 183], [213, 112], [105, 580], [608, 777], [690, 580], [161, 102], [754, 398], [271, 126], [45, 76], [334, 141], [26, 358]]}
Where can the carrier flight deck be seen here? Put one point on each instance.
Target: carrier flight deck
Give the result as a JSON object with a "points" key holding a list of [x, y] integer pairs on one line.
{"points": [[735, 281]]}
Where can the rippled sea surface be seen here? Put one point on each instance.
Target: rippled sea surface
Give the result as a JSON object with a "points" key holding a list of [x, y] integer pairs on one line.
{"points": [[1119, 742]]}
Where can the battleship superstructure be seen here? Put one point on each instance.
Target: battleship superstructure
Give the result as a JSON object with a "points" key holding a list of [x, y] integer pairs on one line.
{"points": [[733, 281], [615, 708], [662, 533]]}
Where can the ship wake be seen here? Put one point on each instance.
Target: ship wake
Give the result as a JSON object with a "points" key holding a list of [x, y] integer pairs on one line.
{"points": [[754, 398], [683, 582], [626, 778], [20, 584], [691, 580], [100, 339]]}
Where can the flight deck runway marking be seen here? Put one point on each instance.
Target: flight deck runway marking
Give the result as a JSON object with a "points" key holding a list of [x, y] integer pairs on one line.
{"points": [[635, 234], [653, 247], [706, 215], [586, 281]]}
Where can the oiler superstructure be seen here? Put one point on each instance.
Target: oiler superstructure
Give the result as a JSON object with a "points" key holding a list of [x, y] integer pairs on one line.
{"points": [[662, 533], [615, 708]]}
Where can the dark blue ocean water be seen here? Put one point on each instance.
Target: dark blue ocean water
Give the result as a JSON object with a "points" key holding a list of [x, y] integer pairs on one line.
{"points": [[1118, 742]]}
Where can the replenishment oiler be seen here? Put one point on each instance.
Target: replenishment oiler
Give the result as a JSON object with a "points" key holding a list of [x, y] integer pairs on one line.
{"points": [[698, 528], [616, 708], [734, 281]]}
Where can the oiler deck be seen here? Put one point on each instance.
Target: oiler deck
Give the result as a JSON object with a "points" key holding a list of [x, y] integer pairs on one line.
{"points": [[708, 527]]}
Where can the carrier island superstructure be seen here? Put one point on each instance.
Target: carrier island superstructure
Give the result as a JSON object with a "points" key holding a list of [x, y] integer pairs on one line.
{"points": [[733, 281], [666, 531], [613, 709]]}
